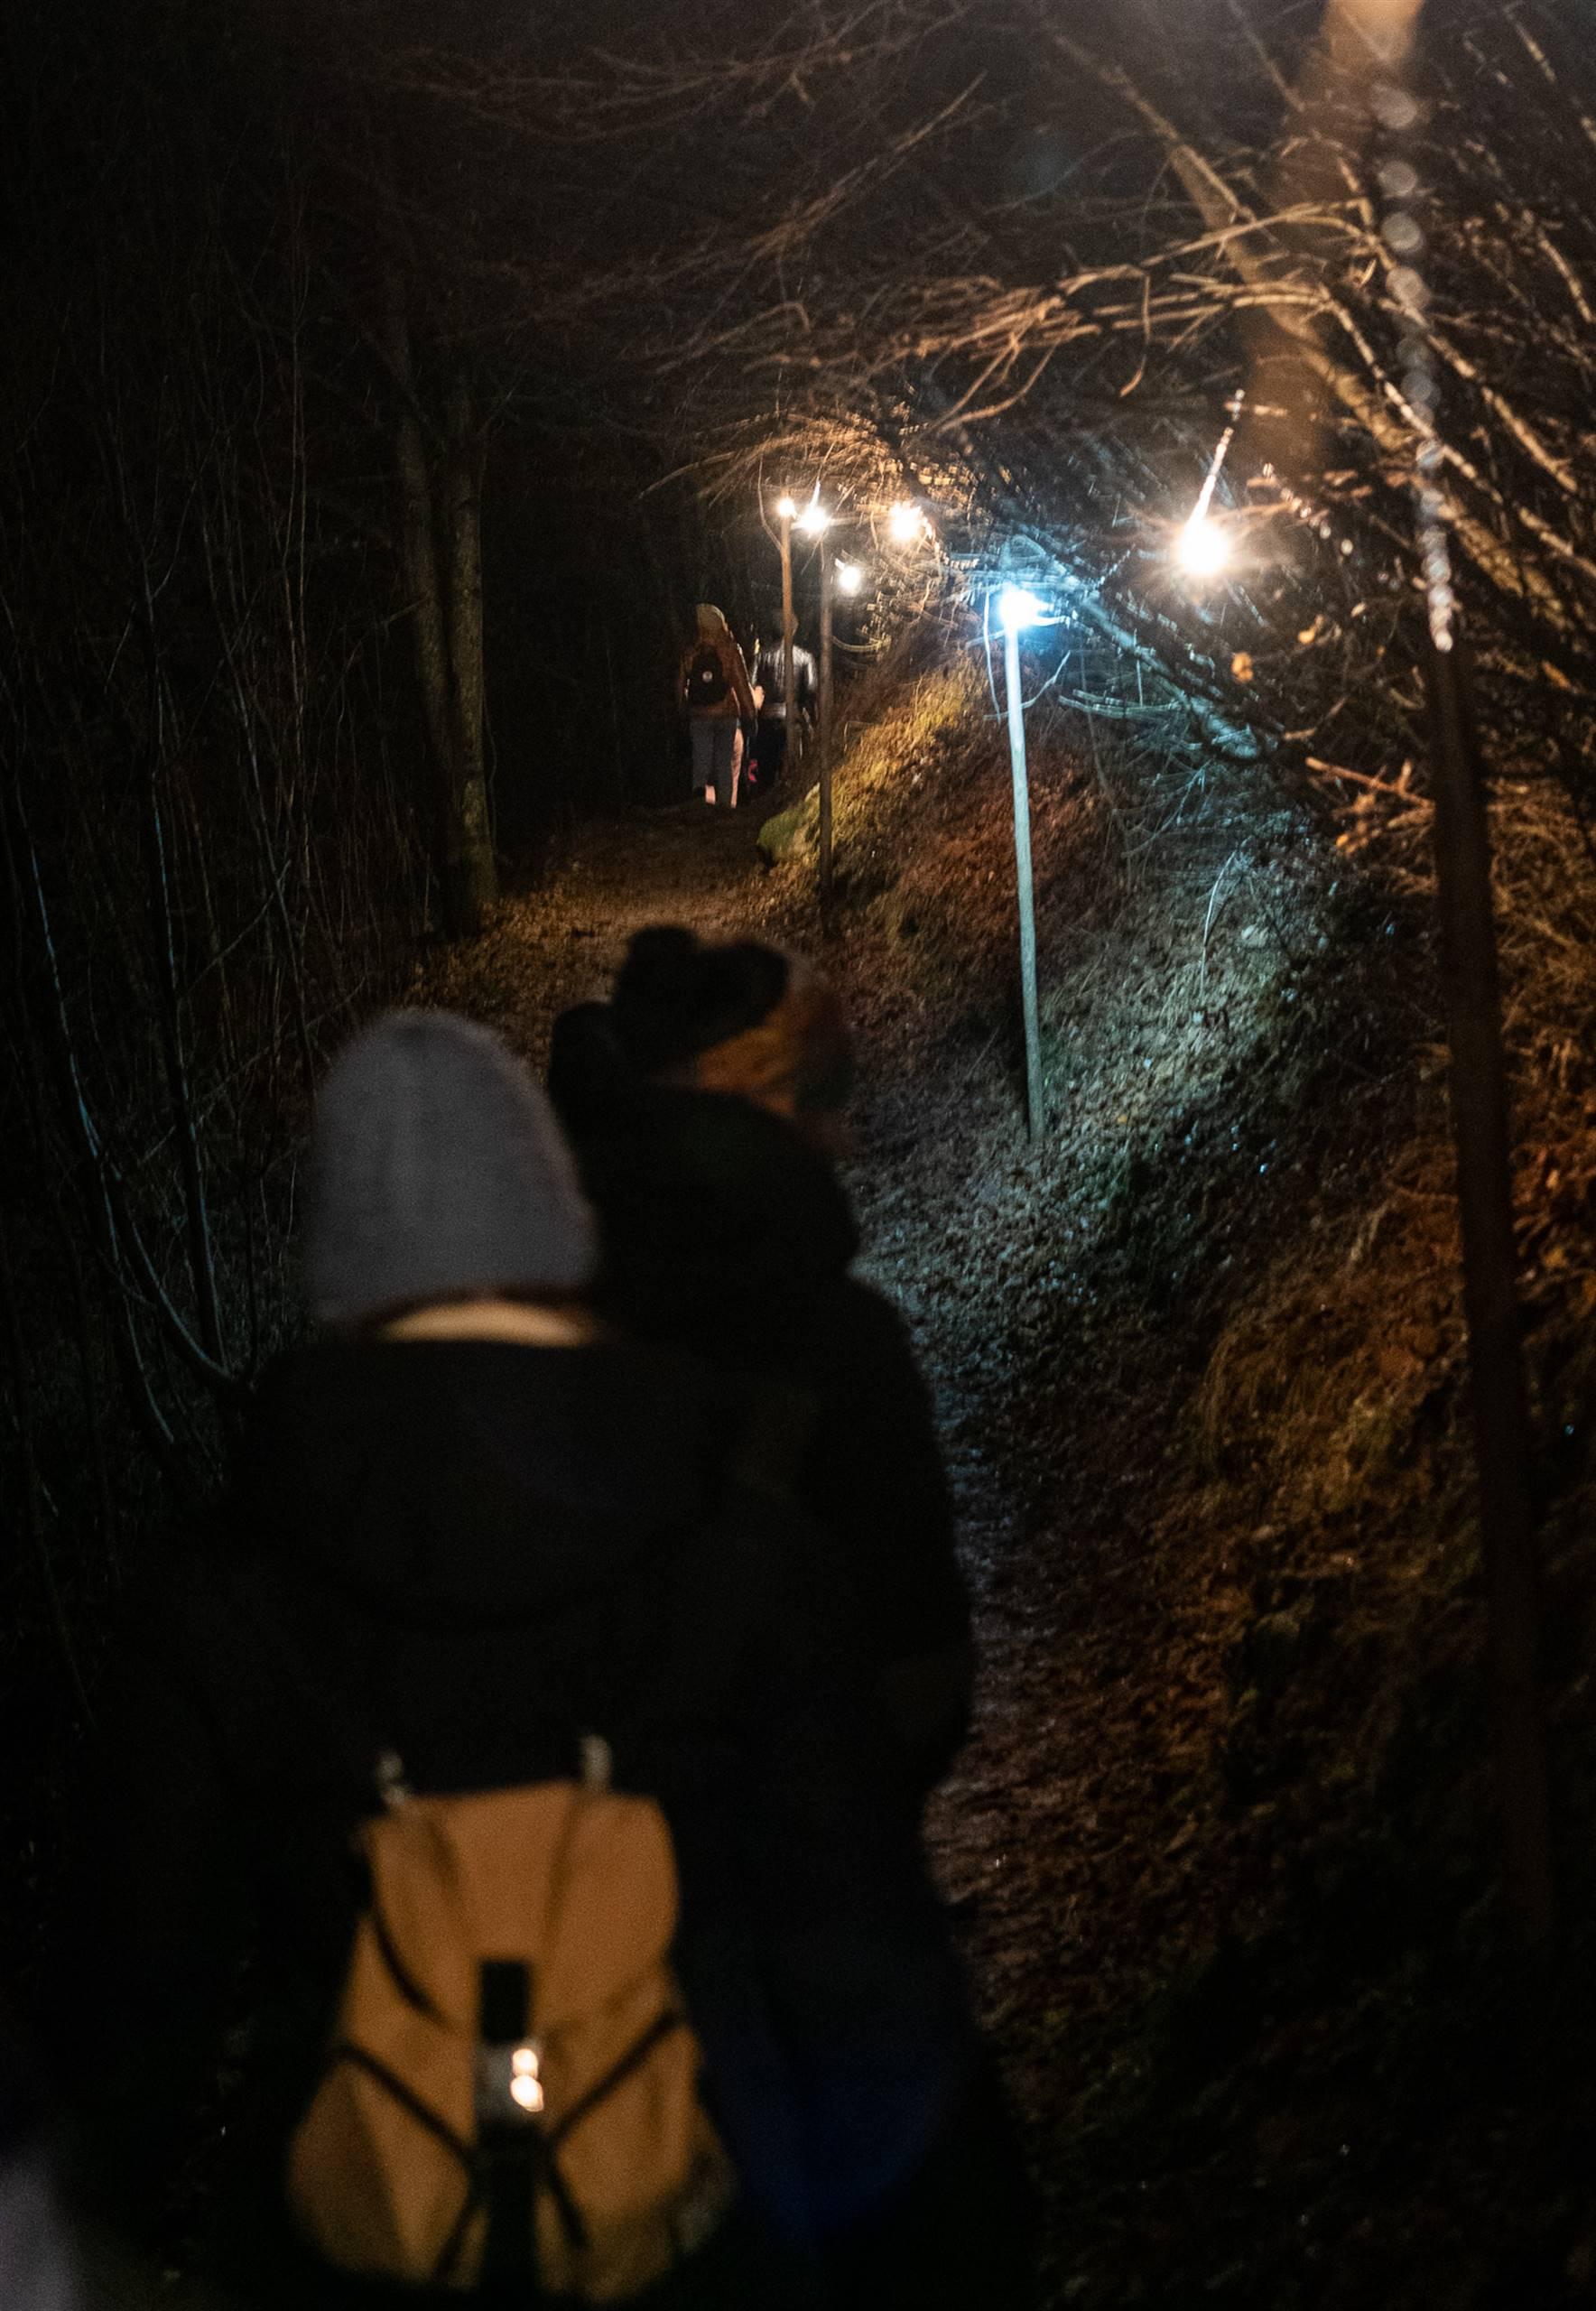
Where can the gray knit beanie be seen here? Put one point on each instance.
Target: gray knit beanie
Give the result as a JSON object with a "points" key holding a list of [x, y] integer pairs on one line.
{"points": [[437, 1172]]}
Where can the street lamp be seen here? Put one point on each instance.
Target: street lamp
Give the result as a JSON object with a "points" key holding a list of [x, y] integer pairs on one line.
{"points": [[844, 577], [1018, 609], [817, 522], [904, 521], [786, 513], [1204, 548]]}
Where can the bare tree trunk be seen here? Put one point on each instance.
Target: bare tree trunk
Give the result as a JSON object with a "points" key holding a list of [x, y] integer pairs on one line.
{"points": [[471, 861], [461, 800]]}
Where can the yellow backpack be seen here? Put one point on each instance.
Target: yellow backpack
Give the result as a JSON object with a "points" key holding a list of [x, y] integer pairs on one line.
{"points": [[511, 2089]]}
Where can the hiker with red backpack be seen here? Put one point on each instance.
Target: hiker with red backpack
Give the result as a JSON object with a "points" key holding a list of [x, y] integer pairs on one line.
{"points": [[716, 696], [506, 1722]]}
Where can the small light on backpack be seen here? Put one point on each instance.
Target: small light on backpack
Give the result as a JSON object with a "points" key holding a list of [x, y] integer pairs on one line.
{"points": [[527, 2087]]}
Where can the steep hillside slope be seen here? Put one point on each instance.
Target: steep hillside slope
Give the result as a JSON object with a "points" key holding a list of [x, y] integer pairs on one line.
{"points": [[1221, 1851], [1224, 1849]]}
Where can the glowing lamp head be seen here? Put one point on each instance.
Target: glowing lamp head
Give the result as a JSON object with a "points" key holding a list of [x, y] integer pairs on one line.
{"points": [[815, 521], [850, 577], [786, 509], [906, 522], [527, 2085], [1018, 608], [1203, 549]]}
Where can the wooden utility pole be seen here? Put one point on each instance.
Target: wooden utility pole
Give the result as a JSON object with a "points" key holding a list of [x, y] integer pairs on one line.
{"points": [[825, 721], [1035, 1101], [795, 746], [1500, 1402]]}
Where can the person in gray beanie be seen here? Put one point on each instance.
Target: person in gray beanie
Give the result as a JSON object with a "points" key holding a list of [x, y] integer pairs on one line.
{"points": [[467, 1527], [437, 1173]]}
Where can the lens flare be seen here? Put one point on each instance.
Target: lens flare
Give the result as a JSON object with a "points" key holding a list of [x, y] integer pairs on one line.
{"points": [[1203, 549], [906, 522], [1018, 608], [850, 577]]}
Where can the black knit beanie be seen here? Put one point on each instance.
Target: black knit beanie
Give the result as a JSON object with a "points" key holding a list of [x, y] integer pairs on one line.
{"points": [[437, 1172], [675, 998]]}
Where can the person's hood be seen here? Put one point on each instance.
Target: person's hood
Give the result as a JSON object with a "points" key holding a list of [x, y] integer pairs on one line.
{"points": [[451, 1481], [705, 1195]]}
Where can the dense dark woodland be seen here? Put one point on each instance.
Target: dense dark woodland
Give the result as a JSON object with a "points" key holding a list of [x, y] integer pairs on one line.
{"points": [[381, 383]]}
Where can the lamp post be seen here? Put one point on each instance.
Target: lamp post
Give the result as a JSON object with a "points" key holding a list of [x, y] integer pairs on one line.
{"points": [[816, 522], [836, 578], [1018, 609], [787, 511]]}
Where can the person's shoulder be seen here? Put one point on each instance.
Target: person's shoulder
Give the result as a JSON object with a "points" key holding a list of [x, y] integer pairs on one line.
{"points": [[864, 1312]]}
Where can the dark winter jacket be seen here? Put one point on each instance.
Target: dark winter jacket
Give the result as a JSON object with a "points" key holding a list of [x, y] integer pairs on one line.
{"points": [[770, 676], [726, 1233], [481, 1549]]}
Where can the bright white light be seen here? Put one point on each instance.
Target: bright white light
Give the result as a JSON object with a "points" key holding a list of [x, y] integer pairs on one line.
{"points": [[1018, 608], [850, 577], [526, 2080], [815, 520], [786, 508], [906, 522], [1203, 549]]}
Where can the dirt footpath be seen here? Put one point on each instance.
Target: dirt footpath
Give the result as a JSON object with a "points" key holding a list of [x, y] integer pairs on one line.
{"points": [[1063, 1835]]}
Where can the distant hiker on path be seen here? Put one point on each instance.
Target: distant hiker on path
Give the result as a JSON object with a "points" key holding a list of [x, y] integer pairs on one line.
{"points": [[705, 1102], [715, 695], [772, 738]]}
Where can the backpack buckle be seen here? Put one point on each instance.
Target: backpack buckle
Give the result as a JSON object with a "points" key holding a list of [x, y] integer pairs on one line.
{"points": [[391, 1787]]}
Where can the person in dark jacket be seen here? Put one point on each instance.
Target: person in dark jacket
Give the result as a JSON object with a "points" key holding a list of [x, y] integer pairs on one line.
{"points": [[469, 1520], [775, 720], [705, 1101]]}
